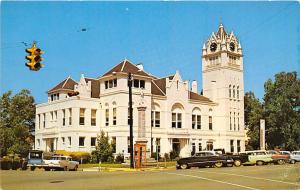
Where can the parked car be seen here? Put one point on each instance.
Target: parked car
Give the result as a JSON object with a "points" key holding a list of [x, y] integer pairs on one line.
{"points": [[203, 159], [35, 159], [58, 162], [279, 157], [238, 158], [258, 157], [295, 157]]}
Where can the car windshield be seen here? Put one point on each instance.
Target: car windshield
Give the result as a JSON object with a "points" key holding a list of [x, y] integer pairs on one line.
{"points": [[35, 155]]}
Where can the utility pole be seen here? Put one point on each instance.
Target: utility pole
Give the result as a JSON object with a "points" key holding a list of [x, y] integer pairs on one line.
{"points": [[130, 119]]}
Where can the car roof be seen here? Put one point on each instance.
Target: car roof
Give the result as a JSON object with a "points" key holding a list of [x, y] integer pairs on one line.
{"points": [[255, 151]]}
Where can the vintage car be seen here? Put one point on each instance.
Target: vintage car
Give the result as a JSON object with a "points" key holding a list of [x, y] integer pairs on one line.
{"points": [[295, 157], [280, 158], [35, 159], [58, 162], [238, 158], [203, 159], [258, 157]]}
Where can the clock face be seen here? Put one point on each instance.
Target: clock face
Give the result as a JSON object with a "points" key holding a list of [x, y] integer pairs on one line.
{"points": [[213, 47], [232, 46]]}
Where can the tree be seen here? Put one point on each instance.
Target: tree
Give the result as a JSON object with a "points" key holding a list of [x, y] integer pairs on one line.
{"points": [[282, 111], [104, 150], [17, 115], [253, 114]]}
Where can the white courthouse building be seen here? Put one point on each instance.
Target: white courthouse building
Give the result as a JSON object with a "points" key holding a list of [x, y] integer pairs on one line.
{"points": [[177, 117]]}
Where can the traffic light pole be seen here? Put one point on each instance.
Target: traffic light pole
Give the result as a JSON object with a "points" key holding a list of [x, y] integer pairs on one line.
{"points": [[130, 119]]}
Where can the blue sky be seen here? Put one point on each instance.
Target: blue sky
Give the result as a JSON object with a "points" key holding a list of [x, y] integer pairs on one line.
{"points": [[164, 36]]}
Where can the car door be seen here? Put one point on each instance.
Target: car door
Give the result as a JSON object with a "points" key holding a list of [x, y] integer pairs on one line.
{"points": [[197, 160]]}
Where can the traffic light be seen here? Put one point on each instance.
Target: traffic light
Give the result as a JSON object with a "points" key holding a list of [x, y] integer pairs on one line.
{"points": [[34, 58]]}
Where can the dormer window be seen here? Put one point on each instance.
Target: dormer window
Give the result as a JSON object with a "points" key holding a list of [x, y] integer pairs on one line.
{"points": [[138, 83], [111, 83], [54, 97]]}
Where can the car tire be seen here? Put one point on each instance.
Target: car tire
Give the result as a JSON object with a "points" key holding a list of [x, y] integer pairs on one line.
{"points": [[76, 167], [32, 168], [66, 168], [259, 163], [237, 163], [280, 162], [184, 166], [293, 161], [218, 164]]}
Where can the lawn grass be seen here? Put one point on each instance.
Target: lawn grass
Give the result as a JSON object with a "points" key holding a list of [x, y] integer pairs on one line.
{"points": [[114, 165]]}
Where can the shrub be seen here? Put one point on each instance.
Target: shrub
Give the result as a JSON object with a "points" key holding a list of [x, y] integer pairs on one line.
{"points": [[119, 158], [5, 163], [174, 155], [154, 155], [167, 157], [77, 156]]}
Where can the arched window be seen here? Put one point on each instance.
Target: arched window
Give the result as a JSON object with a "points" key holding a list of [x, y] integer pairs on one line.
{"points": [[233, 92], [229, 91], [155, 116], [177, 113], [114, 113], [196, 118], [237, 92], [106, 114]]}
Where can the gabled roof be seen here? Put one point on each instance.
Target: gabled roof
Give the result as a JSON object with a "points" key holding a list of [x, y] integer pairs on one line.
{"points": [[95, 87], [127, 67], [158, 86], [195, 96], [67, 84]]}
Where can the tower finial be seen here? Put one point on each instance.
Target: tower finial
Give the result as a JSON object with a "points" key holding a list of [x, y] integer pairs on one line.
{"points": [[221, 25]]}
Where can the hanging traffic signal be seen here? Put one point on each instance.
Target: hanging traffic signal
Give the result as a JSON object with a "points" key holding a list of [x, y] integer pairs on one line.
{"points": [[34, 58]]}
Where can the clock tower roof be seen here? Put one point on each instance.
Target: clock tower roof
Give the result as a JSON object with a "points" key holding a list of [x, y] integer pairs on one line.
{"points": [[221, 34]]}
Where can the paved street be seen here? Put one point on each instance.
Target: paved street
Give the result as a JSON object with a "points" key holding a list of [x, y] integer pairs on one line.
{"points": [[286, 177]]}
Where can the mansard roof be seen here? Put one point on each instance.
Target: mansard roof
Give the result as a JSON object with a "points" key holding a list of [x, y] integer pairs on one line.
{"points": [[127, 67], [67, 84]]}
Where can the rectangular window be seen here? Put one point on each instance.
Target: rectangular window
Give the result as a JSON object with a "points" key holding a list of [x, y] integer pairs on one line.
{"points": [[70, 116], [81, 141], [234, 121], [81, 116], [173, 120], [115, 82], [193, 149], [93, 117], [231, 146], [106, 84], [110, 82], [157, 119], [63, 140], [93, 141], [230, 123], [44, 121], [142, 84], [200, 147], [158, 145], [51, 114], [210, 123], [52, 97], [238, 145], [55, 115], [113, 144], [209, 146], [106, 117], [64, 117], [136, 83], [179, 120], [70, 141], [114, 116], [193, 121], [39, 121], [198, 121]]}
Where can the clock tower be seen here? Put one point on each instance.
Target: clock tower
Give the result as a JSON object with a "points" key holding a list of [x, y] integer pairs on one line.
{"points": [[223, 83]]}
